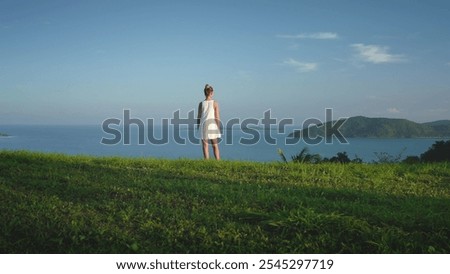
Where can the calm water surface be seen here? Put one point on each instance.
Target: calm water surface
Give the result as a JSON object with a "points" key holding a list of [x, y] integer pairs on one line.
{"points": [[87, 140]]}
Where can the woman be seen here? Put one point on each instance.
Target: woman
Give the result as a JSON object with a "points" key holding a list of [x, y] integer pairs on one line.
{"points": [[209, 122]]}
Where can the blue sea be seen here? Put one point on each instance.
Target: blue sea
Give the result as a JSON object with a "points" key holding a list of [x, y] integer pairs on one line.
{"points": [[86, 140]]}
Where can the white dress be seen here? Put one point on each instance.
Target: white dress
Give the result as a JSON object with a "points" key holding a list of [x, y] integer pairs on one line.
{"points": [[208, 126]]}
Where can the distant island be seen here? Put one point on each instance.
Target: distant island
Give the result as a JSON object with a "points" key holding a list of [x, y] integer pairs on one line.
{"points": [[3, 134], [364, 127]]}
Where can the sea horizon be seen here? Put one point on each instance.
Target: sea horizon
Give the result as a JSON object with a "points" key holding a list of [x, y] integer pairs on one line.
{"points": [[86, 140]]}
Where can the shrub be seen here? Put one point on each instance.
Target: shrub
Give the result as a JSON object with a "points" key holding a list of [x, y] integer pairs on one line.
{"points": [[411, 160], [438, 152]]}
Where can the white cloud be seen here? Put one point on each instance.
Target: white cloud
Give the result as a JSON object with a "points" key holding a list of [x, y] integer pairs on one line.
{"points": [[294, 47], [376, 54], [317, 35], [301, 66], [393, 110]]}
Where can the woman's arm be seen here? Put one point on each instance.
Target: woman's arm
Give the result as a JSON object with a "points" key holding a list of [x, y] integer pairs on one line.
{"points": [[217, 114], [199, 114]]}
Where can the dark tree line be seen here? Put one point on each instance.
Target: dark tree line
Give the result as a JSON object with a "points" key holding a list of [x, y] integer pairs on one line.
{"points": [[438, 152]]}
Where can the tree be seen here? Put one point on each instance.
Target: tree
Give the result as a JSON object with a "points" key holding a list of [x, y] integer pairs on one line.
{"points": [[305, 157], [386, 158], [341, 157], [438, 152], [411, 160], [302, 157]]}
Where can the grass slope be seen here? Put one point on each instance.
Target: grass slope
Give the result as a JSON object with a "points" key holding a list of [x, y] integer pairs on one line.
{"points": [[75, 204]]}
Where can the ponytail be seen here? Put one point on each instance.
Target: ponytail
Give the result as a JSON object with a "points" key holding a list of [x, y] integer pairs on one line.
{"points": [[208, 89]]}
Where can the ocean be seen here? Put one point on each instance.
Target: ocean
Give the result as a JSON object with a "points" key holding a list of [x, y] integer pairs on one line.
{"points": [[87, 140]]}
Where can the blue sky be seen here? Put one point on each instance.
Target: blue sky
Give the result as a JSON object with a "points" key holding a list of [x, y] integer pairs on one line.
{"points": [[81, 62]]}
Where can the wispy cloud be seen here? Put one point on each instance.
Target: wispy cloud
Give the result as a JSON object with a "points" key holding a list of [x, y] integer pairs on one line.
{"points": [[301, 66], [317, 35], [438, 110], [393, 110], [296, 47], [376, 54]]}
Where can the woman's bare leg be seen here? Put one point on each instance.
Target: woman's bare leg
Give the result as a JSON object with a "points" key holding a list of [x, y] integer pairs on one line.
{"points": [[205, 149], [215, 146]]}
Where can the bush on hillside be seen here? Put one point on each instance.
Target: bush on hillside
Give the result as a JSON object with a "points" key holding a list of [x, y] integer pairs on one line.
{"points": [[438, 152]]}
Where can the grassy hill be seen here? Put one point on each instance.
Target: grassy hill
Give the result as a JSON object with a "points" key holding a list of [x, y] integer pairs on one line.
{"points": [[364, 127], [75, 204]]}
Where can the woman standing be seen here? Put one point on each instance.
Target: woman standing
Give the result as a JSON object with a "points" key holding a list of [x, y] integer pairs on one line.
{"points": [[209, 122]]}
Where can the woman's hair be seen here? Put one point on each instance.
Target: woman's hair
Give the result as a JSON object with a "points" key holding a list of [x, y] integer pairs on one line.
{"points": [[208, 90]]}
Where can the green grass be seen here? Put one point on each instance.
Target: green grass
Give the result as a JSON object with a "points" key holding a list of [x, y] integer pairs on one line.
{"points": [[54, 203]]}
